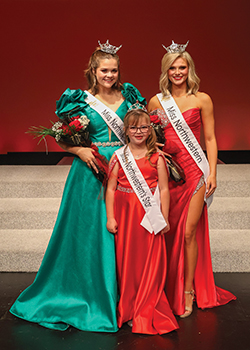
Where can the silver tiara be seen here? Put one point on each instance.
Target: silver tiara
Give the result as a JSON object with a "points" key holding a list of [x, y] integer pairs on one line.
{"points": [[137, 105], [109, 48], [176, 48]]}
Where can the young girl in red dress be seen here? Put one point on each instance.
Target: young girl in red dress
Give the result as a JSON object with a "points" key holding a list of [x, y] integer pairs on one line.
{"points": [[140, 252]]}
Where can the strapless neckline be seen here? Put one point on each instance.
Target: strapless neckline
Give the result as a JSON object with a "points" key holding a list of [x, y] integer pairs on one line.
{"points": [[190, 109]]}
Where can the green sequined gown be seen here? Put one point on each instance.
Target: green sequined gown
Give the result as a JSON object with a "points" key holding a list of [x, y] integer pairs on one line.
{"points": [[76, 283]]}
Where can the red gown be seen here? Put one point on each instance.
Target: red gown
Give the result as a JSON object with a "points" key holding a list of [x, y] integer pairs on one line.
{"points": [[141, 260], [207, 295]]}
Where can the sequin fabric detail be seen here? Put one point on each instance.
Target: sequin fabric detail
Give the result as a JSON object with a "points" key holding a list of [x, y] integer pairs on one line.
{"points": [[130, 190], [162, 115], [200, 184], [108, 144]]}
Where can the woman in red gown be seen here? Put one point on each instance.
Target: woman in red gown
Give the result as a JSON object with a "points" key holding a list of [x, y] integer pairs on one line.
{"points": [[190, 273], [141, 255]]}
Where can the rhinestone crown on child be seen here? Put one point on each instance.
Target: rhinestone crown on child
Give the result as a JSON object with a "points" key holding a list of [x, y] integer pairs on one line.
{"points": [[109, 48], [137, 105], [175, 48]]}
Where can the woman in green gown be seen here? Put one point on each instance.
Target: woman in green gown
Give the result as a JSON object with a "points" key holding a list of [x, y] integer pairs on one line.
{"points": [[76, 283]]}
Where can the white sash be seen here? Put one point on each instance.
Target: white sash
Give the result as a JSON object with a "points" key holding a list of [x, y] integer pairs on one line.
{"points": [[109, 116], [156, 221], [186, 136]]}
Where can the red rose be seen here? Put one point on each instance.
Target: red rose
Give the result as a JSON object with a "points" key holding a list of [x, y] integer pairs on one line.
{"points": [[155, 119], [76, 124], [66, 129]]}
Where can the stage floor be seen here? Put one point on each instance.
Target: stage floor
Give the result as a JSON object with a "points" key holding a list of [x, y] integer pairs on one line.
{"points": [[226, 327]]}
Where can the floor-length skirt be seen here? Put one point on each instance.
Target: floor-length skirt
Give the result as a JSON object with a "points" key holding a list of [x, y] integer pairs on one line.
{"points": [[142, 267], [207, 295], [76, 283]]}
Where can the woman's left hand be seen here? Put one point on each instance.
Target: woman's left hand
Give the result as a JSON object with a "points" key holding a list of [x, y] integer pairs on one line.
{"points": [[211, 185]]}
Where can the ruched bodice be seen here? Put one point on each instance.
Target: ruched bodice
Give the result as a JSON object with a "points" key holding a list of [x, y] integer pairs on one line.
{"points": [[193, 119]]}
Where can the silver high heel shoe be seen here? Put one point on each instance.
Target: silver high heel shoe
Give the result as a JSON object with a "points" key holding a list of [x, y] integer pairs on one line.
{"points": [[188, 310]]}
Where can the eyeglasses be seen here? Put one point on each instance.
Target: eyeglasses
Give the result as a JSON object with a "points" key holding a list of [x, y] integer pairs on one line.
{"points": [[143, 128]]}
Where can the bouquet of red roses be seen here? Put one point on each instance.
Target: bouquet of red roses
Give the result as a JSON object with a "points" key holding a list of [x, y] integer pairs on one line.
{"points": [[73, 131]]}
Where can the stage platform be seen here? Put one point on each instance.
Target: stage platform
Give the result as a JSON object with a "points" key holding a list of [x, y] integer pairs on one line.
{"points": [[223, 328]]}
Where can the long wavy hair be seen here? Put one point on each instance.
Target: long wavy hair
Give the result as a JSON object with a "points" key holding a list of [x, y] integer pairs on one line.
{"points": [[94, 63], [132, 118], [193, 81]]}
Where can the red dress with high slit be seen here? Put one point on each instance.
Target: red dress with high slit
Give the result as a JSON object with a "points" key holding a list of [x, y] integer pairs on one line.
{"points": [[207, 295], [141, 260]]}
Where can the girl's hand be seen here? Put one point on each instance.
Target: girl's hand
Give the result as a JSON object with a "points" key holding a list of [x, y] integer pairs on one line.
{"points": [[211, 185], [86, 155], [112, 225], [166, 228]]}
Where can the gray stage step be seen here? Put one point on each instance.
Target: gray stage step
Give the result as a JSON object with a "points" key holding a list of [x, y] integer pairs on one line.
{"points": [[22, 250], [230, 250], [28, 213], [32, 181], [31, 195], [233, 180], [230, 213]]}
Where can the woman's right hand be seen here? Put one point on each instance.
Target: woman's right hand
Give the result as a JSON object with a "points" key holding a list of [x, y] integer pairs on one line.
{"points": [[86, 155]]}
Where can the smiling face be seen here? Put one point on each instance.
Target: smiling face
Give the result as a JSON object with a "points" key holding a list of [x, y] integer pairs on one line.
{"points": [[107, 73], [139, 131], [178, 72]]}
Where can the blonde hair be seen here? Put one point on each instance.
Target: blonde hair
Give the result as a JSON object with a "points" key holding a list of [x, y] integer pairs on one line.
{"points": [[132, 118], [94, 63], [193, 81]]}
